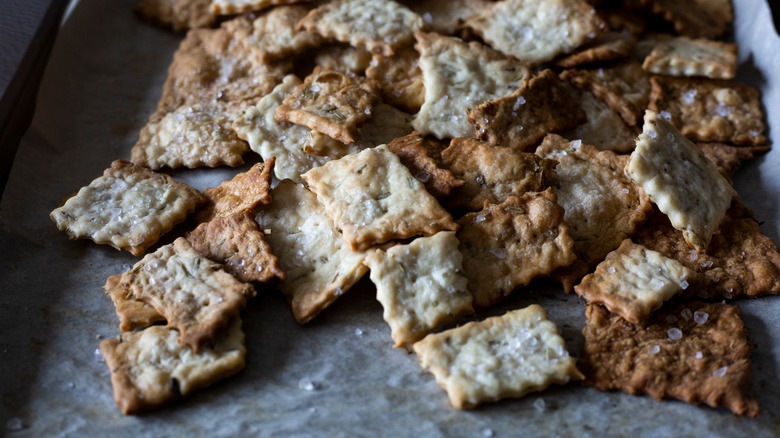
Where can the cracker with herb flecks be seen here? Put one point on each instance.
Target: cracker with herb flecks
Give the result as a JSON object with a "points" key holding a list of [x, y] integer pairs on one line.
{"points": [[422, 156], [726, 158], [503, 356], [237, 242], [399, 78], [129, 208], [610, 46], [447, 17], [420, 285], [372, 198], [603, 206], [633, 281], [132, 312], [681, 181], [505, 246], [492, 174], [379, 26], [710, 109], [195, 296], [537, 30], [542, 105], [695, 352], [320, 267], [150, 368], [695, 18], [231, 7], [604, 128], [245, 192], [682, 56], [458, 76], [343, 57], [178, 15]]}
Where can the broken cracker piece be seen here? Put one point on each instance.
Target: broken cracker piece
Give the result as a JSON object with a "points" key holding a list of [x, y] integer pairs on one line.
{"points": [[682, 56], [422, 156], [178, 15], [399, 78], [245, 192]]}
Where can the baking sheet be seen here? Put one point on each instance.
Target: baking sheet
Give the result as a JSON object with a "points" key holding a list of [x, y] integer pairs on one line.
{"points": [[336, 376]]}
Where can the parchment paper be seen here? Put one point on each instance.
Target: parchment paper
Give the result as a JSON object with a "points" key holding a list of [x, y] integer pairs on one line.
{"points": [[336, 376]]}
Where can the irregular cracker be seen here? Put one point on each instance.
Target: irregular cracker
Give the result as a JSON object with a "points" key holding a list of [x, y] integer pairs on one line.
{"points": [[492, 174], [341, 57], [400, 79], [420, 285], [458, 76], [709, 364], [132, 312], [372, 198], [330, 102], [537, 30], [447, 16], [179, 15], [608, 46], [683, 183], [604, 128], [506, 246], [422, 156], [194, 295], [729, 158], [150, 368], [710, 110], [237, 242], [379, 26], [683, 56], [633, 281], [544, 104], [319, 265], [129, 208], [230, 7], [503, 356], [695, 18], [245, 192]]}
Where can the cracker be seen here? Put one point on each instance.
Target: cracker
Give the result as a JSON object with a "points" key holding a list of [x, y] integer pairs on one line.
{"points": [[379, 26], [447, 16], [684, 56], [683, 183], [342, 57], [330, 102], [543, 104], [696, 18], [150, 368], [178, 15], [422, 156], [729, 158], [537, 30], [320, 267], [194, 295], [458, 76], [609, 46], [399, 78], [420, 285], [603, 206], [386, 124], [505, 246], [230, 7], [245, 192], [393, 204], [710, 110], [500, 357], [633, 281], [237, 242], [625, 87], [603, 128], [129, 208], [696, 363], [132, 312], [492, 174]]}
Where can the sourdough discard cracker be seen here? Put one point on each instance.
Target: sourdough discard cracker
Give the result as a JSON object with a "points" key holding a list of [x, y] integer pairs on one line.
{"points": [[150, 368], [229, 7], [420, 285], [729, 158], [245, 192], [500, 357], [399, 78], [447, 17], [422, 156], [372, 198], [132, 312], [344, 58], [179, 15], [608, 46], [684, 56], [604, 128], [129, 208]]}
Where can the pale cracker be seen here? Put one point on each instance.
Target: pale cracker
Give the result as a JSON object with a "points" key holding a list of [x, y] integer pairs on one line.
{"points": [[194, 295], [400, 79], [537, 30], [342, 57], [695, 18], [683, 183], [420, 285], [129, 208], [500, 357], [320, 267], [682, 56], [447, 16], [179, 15], [231, 7], [245, 192], [458, 76], [372, 198], [633, 281], [379, 26], [150, 368], [609, 46], [604, 128], [422, 156]]}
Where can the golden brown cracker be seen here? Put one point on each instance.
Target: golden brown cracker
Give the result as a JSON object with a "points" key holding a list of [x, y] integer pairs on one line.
{"points": [[132, 312], [343, 57], [400, 79], [603, 128], [684, 56], [729, 158], [609, 46], [422, 156], [231, 7], [245, 192]]}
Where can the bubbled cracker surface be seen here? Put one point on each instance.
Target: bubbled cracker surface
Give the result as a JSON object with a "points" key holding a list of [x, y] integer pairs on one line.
{"points": [[399, 78], [245, 192], [422, 156]]}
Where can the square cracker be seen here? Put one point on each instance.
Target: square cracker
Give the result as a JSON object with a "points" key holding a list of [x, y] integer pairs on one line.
{"points": [[537, 30], [505, 246], [709, 363], [320, 267], [179, 15], [400, 79], [542, 105], [150, 368], [379, 26], [422, 156], [633, 281], [682, 56], [195, 296], [500, 357], [682, 182], [129, 208], [231, 7], [245, 192], [458, 76], [695, 18], [710, 109], [420, 285], [492, 174], [604, 128], [372, 198]]}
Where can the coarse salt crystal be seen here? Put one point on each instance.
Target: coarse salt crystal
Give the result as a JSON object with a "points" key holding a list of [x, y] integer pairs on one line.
{"points": [[720, 372], [306, 385], [684, 285], [487, 433], [699, 355], [611, 269], [99, 356], [358, 332], [539, 405], [674, 334], [654, 349], [576, 144], [700, 317], [686, 314], [665, 115]]}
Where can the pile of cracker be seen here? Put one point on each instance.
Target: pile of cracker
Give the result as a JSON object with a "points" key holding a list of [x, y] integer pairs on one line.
{"points": [[457, 150]]}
